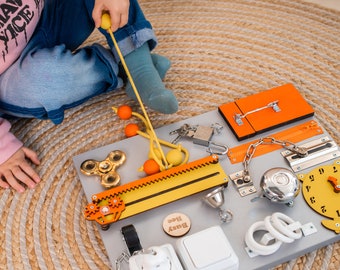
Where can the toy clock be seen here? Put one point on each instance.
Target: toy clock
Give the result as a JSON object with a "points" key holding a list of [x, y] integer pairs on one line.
{"points": [[321, 190]]}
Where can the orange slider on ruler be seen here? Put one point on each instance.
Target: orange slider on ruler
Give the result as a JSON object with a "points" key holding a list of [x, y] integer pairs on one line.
{"points": [[294, 134], [155, 190]]}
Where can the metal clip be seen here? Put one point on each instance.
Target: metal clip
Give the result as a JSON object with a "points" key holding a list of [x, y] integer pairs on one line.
{"points": [[212, 145], [274, 105]]}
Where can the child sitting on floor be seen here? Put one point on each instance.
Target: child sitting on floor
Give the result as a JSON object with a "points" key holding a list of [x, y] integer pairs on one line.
{"points": [[42, 73]]}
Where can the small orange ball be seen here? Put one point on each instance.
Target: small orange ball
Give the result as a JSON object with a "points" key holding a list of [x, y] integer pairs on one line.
{"points": [[151, 167], [124, 112], [131, 130]]}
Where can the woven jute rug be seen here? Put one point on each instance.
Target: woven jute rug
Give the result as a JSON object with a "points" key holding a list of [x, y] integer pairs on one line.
{"points": [[220, 51]]}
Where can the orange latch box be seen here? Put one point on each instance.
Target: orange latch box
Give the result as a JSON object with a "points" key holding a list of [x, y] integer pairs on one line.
{"points": [[264, 111]]}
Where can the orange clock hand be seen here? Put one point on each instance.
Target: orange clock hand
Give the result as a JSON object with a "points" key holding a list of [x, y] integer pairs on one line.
{"points": [[334, 182]]}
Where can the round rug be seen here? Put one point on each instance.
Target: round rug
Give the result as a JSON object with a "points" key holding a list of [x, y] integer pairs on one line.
{"points": [[220, 51]]}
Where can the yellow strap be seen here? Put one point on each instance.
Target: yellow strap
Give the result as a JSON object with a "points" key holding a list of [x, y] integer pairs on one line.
{"points": [[165, 163]]}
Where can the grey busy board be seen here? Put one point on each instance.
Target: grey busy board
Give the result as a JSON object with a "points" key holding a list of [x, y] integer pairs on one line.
{"points": [[245, 212]]}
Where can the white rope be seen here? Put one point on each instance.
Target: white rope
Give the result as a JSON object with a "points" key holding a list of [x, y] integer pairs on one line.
{"points": [[280, 229]]}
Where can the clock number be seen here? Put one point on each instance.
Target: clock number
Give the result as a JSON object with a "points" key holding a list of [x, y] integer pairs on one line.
{"points": [[338, 212], [312, 199], [321, 170], [323, 209], [335, 169], [311, 177], [308, 188]]}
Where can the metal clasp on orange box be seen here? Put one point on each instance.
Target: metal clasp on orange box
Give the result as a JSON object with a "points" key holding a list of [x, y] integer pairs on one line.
{"points": [[265, 111]]}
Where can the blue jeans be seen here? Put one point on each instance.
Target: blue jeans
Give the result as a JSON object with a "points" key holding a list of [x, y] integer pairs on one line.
{"points": [[52, 75]]}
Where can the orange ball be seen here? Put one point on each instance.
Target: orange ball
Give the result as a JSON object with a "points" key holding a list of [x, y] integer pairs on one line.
{"points": [[151, 167], [131, 130], [124, 112]]}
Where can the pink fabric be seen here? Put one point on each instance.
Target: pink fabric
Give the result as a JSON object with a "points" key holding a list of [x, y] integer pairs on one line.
{"points": [[9, 144], [18, 19]]}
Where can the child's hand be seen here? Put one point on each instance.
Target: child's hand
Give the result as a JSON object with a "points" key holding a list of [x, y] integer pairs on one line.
{"points": [[17, 170], [118, 9]]}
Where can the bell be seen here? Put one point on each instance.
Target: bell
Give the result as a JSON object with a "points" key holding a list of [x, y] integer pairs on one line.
{"points": [[215, 199]]}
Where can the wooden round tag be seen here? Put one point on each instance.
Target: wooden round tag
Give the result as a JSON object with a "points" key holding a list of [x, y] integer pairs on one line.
{"points": [[176, 224]]}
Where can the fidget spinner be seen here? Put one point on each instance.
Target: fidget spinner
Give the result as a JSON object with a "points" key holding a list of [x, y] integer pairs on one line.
{"points": [[106, 168]]}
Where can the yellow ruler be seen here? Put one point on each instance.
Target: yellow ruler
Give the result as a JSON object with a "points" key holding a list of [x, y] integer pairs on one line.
{"points": [[155, 190]]}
